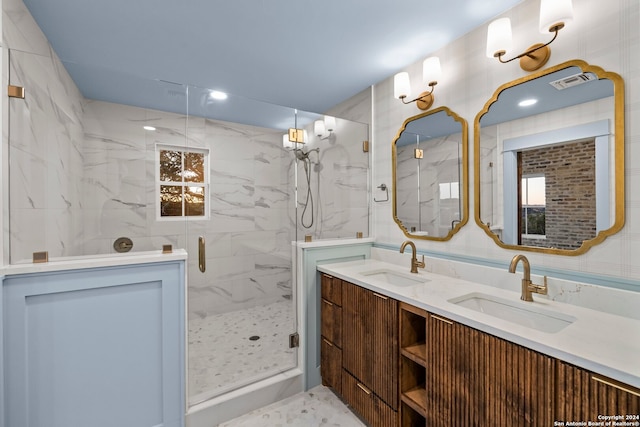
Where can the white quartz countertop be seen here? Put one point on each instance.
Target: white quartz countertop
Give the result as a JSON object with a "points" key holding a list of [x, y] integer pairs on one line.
{"points": [[94, 261], [601, 342]]}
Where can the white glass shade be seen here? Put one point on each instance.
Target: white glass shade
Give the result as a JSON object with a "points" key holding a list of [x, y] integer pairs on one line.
{"points": [[330, 123], [499, 36], [431, 71], [401, 85], [286, 143], [318, 128], [553, 12]]}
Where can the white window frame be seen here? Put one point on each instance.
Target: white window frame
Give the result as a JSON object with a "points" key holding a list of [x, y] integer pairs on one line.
{"points": [[205, 185], [527, 235]]}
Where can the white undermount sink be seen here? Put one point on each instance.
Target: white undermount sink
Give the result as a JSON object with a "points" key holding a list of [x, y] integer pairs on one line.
{"points": [[519, 312], [395, 278]]}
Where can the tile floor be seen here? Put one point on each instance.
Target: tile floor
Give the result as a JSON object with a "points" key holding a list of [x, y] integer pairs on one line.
{"points": [[222, 356], [316, 407]]}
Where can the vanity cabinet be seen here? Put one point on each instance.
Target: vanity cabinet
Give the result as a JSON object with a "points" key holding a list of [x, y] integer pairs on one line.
{"points": [[359, 349], [583, 395], [370, 354], [397, 364], [461, 376], [518, 384], [331, 332]]}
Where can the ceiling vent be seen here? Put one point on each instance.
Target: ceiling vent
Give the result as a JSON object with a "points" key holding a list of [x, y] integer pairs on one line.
{"points": [[574, 80]]}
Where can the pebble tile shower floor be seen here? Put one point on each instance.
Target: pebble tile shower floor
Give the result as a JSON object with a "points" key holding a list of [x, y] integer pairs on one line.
{"points": [[223, 355]]}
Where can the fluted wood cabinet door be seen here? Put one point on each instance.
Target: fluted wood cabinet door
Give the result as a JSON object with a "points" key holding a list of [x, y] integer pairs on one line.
{"points": [[370, 341], [521, 383], [475, 379], [385, 348], [331, 332], [356, 355], [440, 382], [456, 379], [469, 352], [582, 396]]}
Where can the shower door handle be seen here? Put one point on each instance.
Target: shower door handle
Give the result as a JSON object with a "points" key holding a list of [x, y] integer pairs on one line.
{"points": [[202, 262]]}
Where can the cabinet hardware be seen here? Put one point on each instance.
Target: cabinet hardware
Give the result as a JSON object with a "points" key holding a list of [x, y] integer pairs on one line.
{"points": [[327, 341], [381, 296], [327, 302], [363, 388], [618, 386], [449, 322], [327, 276]]}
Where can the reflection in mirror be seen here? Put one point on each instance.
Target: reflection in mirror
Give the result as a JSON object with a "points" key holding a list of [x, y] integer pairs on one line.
{"points": [[430, 175], [549, 160]]}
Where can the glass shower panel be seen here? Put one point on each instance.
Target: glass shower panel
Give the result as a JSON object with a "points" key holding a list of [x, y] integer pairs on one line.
{"points": [[45, 162], [79, 169], [242, 304], [332, 178]]}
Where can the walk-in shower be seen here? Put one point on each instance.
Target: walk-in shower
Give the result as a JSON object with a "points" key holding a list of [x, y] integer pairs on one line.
{"points": [[81, 180]]}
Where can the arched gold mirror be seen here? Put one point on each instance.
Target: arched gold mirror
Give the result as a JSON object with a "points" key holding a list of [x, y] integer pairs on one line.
{"points": [[549, 160], [430, 175]]}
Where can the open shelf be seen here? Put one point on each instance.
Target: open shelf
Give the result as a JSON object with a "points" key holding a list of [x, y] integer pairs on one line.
{"points": [[410, 417], [416, 352], [412, 386], [416, 398], [413, 333]]}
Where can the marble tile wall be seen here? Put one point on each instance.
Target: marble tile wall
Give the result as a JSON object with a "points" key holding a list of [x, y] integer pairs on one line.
{"points": [[339, 184], [603, 34], [45, 148], [249, 231]]}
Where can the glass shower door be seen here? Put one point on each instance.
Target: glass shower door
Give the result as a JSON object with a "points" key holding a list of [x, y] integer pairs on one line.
{"points": [[241, 293]]}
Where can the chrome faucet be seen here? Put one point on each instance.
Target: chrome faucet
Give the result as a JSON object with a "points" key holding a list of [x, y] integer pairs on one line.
{"points": [[414, 257], [528, 287]]}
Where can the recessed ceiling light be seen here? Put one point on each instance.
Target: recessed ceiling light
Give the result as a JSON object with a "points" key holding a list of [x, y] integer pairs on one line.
{"points": [[216, 94], [148, 128], [527, 102]]}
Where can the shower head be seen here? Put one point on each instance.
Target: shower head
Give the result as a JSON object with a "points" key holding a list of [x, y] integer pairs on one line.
{"points": [[302, 155]]}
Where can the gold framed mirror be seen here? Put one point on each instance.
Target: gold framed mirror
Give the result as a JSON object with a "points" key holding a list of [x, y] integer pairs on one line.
{"points": [[549, 160], [430, 175]]}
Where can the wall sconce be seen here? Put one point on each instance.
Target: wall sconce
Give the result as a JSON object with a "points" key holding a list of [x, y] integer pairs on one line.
{"points": [[554, 14], [324, 128], [294, 139], [431, 73]]}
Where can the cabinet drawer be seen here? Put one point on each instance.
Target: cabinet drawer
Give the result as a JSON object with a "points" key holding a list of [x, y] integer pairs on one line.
{"points": [[332, 289], [331, 322], [331, 365], [366, 404]]}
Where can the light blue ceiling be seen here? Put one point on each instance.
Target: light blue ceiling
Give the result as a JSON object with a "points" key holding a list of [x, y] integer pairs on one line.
{"points": [[303, 54]]}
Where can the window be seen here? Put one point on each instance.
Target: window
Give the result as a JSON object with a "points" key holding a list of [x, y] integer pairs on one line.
{"points": [[183, 182], [449, 190], [533, 205]]}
